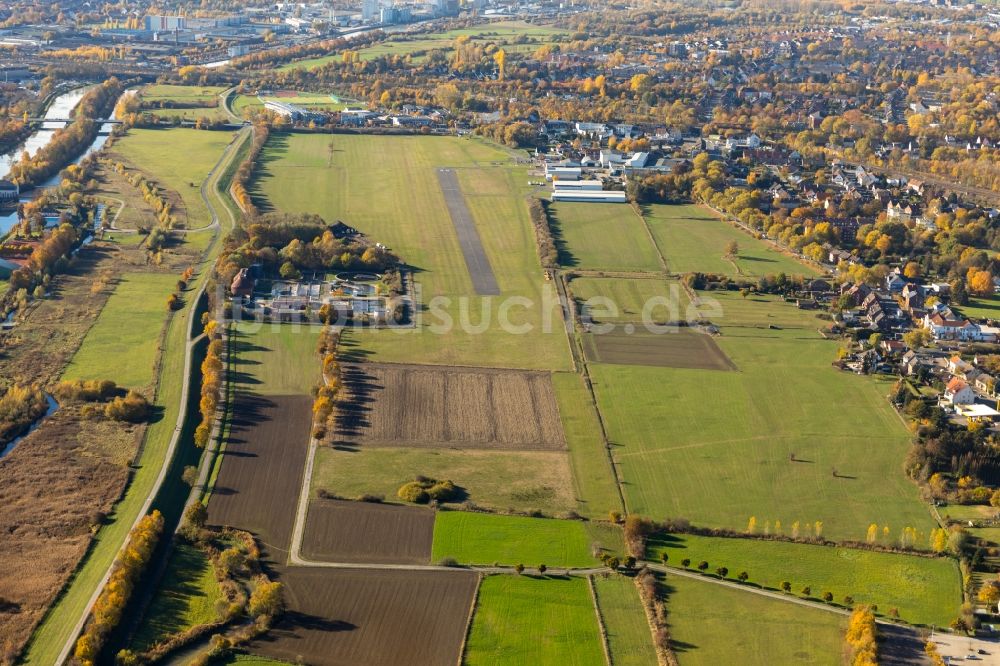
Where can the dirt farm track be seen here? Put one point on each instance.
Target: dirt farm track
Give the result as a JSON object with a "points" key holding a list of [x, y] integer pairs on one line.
{"points": [[339, 531], [422, 405]]}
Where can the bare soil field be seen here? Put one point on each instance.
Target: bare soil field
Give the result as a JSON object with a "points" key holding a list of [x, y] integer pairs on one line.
{"points": [[341, 617], [419, 405], [343, 531], [61, 480], [680, 348], [261, 472]]}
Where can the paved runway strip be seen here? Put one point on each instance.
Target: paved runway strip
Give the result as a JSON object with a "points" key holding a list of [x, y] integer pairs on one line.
{"points": [[483, 280]]}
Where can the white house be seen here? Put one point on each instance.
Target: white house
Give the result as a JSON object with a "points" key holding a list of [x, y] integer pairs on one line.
{"points": [[958, 392]]}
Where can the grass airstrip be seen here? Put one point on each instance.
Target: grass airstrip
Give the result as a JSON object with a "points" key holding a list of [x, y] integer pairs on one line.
{"points": [[388, 188]]}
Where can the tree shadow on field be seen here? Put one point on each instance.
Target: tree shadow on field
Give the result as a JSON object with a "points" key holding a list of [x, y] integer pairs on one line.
{"points": [[354, 408], [277, 149], [293, 623], [352, 352], [565, 256], [664, 590]]}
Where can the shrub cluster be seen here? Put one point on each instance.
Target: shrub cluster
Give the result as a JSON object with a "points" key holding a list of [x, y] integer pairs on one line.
{"points": [[92, 390], [423, 490], [111, 603], [19, 407]]}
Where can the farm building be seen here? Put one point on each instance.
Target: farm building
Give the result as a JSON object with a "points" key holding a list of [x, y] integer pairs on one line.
{"points": [[579, 185], [589, 196], [553, 172]]}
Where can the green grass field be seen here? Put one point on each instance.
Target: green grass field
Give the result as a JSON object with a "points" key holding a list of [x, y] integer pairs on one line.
{"points": [[282, 357], [519, 480], [525, 620], [187, 98], [187, 598], [388, 188], [715, 447], [925, 590], [484, 538], [630, 640], [603, 237], [615, 300], [711, 625], [178, 159], [504, 33], [57, 626], [128, 327], [981, 308], [594, 480], [692, 238]]}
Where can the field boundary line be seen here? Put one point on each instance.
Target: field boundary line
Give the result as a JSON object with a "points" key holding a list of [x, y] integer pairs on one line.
{"points": [[468, 620], [600, 621], [637, 209]]}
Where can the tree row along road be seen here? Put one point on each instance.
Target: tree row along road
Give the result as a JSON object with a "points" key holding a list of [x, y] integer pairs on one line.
{"points": [[211, 183]]}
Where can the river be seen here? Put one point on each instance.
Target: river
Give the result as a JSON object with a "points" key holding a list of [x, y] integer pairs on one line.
{"points": [[61, 107]]}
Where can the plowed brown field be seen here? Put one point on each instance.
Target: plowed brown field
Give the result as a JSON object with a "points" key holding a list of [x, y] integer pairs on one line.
{"points": [[679, 348], [346, 617], [421, 405], [340, 531], [261, 472]]}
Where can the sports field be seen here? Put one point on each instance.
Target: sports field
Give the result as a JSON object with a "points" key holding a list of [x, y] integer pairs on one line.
{"points": [[711, 625], [630, 639], [519, 480], [692, 238], [484, 538], [311, 101], [924, 590], [182, 158], [716, 447], [388, 188], [525, 620], [602, 237], [129, 326]]}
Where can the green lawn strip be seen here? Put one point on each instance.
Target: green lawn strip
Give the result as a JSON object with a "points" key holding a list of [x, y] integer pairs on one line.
{"points": [[528, 620], [711, 625], [128, 327], [594, 479], [484, 538], [501, 480], [50, 636], [178, 159], [617, 300], [925, 590], [187, 598], [629, 637], [600, 236], [716, 447], [692, 238], [359, 183]]}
